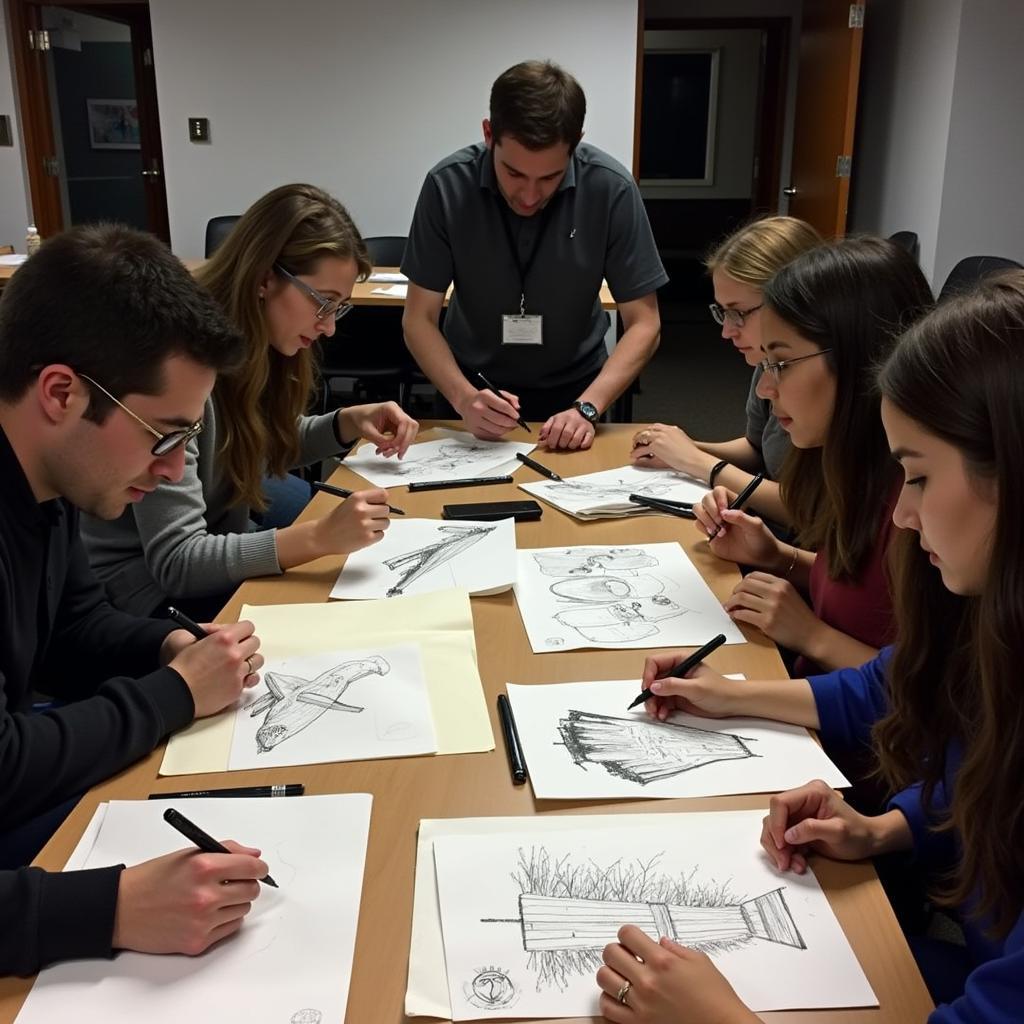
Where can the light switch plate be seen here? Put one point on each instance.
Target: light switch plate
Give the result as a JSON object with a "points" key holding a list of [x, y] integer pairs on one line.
{"points": [[199, 129]]}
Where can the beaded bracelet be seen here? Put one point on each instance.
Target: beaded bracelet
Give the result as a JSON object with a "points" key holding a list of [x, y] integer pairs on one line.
{"points": [[715, 470]]}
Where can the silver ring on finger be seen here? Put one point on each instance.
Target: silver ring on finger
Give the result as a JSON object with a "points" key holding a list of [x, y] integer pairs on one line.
{"points": [[248, 665], [620, 996]]}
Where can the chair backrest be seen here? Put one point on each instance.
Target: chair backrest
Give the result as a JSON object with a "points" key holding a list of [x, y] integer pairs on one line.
{"points": [[908, 240], [970, 270], [217, 229], [386, 250]]}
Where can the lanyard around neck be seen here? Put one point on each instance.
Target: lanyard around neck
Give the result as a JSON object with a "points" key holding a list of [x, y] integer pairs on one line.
{"points": [[523, 266]]}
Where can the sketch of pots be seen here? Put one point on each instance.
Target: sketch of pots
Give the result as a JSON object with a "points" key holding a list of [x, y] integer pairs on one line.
{"points": [[607, 589]]}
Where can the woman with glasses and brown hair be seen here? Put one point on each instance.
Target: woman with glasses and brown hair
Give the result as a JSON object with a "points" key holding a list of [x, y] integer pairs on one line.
{"points": [[829, 317], [284, 276], [740, 266]]}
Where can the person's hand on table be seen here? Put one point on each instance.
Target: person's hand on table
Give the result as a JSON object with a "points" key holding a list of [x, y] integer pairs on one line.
{"points": [[648, 982], [489, 416], [667, 447], [704, 692], [816, 819], [385, 424], [186, 901], [776, 608], [217, 668], [734, 535], [568, 430]]}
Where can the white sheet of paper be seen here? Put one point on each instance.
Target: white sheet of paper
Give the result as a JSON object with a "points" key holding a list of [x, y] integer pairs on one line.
{"points": [[352, 705], [525, 917], [606, 494], [641, 596], [581, 743], [397, 291], [418, 556], [12, 259], [275, 966], [440, 623], [456, 455], [387, 275]]}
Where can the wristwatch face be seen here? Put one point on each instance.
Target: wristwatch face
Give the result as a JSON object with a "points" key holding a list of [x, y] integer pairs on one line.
{"points": [[587, 410]]}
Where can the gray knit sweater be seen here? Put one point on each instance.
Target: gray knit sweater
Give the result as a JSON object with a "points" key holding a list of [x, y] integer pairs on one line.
{"points": [[186, 539]]}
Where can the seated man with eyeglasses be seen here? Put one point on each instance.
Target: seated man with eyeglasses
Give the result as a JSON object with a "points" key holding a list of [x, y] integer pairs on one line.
{"points": [[108, 351]]}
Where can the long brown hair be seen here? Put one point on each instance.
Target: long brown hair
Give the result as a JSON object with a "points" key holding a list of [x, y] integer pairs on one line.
{"points": [[294, 226], [852, 297], [955, 676]]}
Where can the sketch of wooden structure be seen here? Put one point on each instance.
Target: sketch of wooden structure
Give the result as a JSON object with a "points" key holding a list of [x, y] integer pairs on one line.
{"points": [[559, 924], [456, 539], [293, 703], [642, 750]]}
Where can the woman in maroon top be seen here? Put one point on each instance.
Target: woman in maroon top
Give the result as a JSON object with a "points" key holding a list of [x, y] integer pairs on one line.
{"points": [[830, 316]]}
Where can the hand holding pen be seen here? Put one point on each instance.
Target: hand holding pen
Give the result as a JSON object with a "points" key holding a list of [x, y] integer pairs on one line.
{"points": [[490, 413], [655, 668]]}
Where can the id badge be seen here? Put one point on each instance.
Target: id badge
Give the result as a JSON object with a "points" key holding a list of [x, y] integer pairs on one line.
{"points": [[521, 329]]}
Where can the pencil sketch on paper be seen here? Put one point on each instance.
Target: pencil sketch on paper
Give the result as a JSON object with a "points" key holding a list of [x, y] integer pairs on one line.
{"points": [[456, 540], [608, 490], [581, 562], [620, 623], [447, 459], [293, 703], [569, 911], [642, 750]]}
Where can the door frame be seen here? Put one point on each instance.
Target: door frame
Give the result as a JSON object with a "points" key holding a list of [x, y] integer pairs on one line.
{"points": [[37, 122]]}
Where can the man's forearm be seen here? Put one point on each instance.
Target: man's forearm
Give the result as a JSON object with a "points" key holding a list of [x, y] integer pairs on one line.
{"points": [[623, 366], [433, 356]]}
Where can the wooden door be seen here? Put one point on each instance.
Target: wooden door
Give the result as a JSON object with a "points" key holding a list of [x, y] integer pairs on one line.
{"points": [[826, 109], [33, 92]]}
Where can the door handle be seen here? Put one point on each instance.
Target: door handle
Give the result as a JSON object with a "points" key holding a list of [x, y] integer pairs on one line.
{"points": [[790, 191]]}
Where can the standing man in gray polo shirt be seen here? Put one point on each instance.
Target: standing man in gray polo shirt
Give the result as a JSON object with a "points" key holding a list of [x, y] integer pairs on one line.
{"points": [[526, 224]]}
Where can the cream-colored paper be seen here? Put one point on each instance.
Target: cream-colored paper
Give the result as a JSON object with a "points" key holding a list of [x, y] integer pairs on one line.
{"points": [[441, 623]]}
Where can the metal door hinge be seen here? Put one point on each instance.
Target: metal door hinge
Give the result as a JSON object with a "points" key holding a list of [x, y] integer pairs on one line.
{"points": [[844, 165], [856, 15], [38, 39], [51, 167], [147, 57]]}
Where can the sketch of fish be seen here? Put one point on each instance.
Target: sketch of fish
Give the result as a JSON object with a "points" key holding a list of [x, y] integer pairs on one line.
{"points": [[294, 702]]}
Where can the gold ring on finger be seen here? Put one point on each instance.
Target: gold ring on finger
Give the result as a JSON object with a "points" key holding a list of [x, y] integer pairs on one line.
{"points": [[620, 996]]}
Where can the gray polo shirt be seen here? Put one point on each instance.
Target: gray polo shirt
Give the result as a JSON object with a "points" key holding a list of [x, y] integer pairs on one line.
{"points": [[594, 227], [764, 432]]}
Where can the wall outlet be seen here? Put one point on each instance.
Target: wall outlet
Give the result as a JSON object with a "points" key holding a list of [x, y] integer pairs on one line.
{"points": [[199, 129], [6, 137]]}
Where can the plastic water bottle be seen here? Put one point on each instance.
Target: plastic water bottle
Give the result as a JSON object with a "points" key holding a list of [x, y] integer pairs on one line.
{"points": [[32, 240]]}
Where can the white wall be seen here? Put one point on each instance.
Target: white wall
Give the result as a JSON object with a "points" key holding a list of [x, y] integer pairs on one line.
{"points": [[736, 109], [361, 99], [982, 205], [903, 123], [14, 204]]}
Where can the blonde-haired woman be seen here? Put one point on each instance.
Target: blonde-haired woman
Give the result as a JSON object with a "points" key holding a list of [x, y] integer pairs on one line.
{"points": [[740, 266], [284, 276]]}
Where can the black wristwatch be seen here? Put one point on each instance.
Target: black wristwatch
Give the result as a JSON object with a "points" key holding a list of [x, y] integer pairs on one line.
{"points": [[587, 410]]}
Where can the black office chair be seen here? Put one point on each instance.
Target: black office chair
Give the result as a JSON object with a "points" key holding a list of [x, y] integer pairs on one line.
{"points": [[368, 347], [217, 229], [909, 241], [970, 270]]}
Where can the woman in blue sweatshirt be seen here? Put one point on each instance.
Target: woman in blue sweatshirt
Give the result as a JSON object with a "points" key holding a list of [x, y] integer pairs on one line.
{"points": [[946, 701]]}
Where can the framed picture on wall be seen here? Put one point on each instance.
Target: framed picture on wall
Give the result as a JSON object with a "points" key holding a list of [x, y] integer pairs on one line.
{"points": [[679, 117], [113, 124]]}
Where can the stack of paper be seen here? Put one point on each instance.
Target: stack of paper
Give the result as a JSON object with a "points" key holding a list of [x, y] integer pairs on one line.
{"points": [[439, 625], [511, 915], [457, 454], [293, 954], [605, 495], [418, 556]]}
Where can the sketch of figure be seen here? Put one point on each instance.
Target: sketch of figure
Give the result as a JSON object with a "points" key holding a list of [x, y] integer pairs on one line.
{"points": [[294, 702], [447, 459], [584, 562], [642, 750], [606, 589], [569, 911], [456, 539], [610, 490], [620, 623]]}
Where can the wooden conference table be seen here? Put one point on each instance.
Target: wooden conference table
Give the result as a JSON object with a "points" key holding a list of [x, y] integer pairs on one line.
{"points": [[468, 785]]}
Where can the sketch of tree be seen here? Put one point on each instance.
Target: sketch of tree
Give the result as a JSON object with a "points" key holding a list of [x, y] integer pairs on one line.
{"points": [[642, 750], [569, 911]]}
